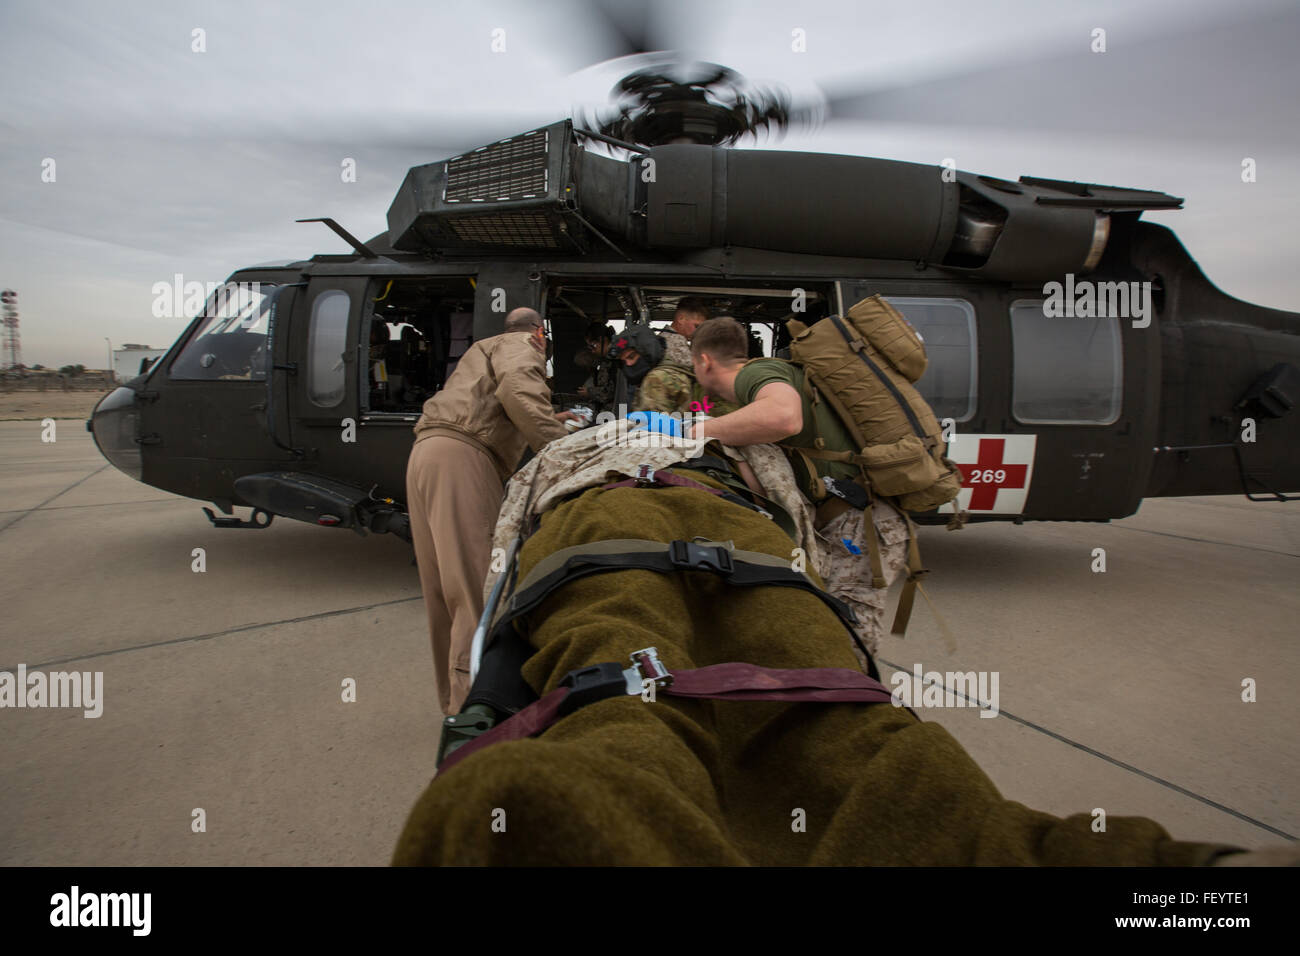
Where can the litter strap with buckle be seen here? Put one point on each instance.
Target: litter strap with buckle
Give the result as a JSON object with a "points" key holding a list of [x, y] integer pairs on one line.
{"points": [[736, 681], [739, 568]]}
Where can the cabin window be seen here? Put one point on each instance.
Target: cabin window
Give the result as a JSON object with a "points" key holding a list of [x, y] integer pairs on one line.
{"points": [[947, 326], [231, 344], [327, 338], [1067, 370], [414, 332]]}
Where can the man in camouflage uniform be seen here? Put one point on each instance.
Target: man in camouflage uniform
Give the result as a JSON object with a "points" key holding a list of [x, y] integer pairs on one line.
{"points": [[598, 389], [848, 572], [774, 409], [691, 313], [658, 366], [671, 388]]}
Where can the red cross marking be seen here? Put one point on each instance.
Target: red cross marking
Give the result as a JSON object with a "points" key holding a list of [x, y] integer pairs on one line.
{"points": [[984, 491]]}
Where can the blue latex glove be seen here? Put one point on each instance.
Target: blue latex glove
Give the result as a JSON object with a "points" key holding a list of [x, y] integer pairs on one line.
{"points": [[656, 422]]}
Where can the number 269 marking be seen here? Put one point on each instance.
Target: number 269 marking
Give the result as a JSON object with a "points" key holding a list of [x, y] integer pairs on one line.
{"points": [[988, 476]]}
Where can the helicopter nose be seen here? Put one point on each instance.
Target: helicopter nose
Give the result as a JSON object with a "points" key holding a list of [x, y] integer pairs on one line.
{"points": [[114, 423]]}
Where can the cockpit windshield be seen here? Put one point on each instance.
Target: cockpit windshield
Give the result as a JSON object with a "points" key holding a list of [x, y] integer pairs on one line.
{"points": [[231, 345]]}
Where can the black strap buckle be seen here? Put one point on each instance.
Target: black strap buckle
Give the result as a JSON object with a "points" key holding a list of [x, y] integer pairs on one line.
{"points": [[590, 684], [645, 476], [599, 681], [689, 555], [849, 491]]}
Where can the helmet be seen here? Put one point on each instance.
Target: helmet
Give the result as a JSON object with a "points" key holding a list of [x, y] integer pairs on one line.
{"points": [[642, 339]]}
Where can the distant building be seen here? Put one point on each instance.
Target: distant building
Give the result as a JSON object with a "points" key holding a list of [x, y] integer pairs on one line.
{"points": [[128, 360]]}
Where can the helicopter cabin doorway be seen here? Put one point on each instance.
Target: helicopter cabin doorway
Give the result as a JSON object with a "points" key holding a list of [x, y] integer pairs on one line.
{"points": [[375, 349]]}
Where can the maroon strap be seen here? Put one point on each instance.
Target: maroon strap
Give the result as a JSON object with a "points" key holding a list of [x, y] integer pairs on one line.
{"points": [[717, 682], [751, 682], [533, 719]]}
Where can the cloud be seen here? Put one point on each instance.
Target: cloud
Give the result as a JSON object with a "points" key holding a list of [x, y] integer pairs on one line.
{"points": [[170, 160]]}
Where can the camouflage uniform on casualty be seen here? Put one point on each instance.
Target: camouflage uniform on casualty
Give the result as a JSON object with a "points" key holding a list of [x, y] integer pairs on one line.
{"points": [[601, 454], [604, 453], [848, 575], [877, 785]]}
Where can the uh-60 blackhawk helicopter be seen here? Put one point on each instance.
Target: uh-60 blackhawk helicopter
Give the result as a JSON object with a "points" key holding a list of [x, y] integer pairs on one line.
{"points": [[1083, 360]]}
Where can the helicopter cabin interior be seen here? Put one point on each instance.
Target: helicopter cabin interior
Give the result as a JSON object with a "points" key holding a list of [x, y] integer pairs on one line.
{"points": [[418, 329], [573, 307]]}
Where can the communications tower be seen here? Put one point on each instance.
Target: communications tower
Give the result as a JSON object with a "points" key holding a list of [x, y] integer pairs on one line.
{"points": [[11, 347]]}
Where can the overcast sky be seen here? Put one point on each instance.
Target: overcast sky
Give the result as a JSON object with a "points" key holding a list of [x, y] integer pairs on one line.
{"points": [[169, 160]]}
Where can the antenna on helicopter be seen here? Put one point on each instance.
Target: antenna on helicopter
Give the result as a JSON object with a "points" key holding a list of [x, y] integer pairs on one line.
{"points": [[346, 236]]}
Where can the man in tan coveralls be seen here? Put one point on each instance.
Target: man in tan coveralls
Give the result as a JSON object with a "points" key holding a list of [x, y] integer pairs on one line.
{"points": [[467, 443]]}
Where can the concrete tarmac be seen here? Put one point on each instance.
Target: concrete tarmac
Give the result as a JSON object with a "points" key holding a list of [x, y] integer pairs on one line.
{"points": [[223, 691]]}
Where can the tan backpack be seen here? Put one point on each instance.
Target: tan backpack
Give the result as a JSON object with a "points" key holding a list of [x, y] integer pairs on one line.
{"points": [[864, 369]]}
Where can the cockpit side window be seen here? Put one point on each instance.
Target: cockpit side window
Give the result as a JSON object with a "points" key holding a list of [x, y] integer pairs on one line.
{"points": [[327, 342]]}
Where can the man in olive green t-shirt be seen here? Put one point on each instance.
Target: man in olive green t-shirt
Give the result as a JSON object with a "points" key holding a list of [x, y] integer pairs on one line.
{"points": [[819, 420], [774, 408]]}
